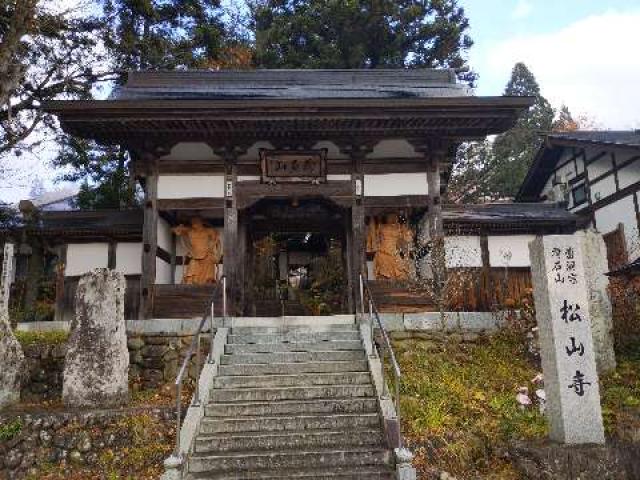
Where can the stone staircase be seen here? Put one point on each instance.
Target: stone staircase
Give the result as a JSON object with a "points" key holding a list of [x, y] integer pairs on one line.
{"points": [[292, 402]]}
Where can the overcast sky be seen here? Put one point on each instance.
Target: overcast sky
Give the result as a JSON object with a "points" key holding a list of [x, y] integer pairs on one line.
{"points": [[584, 53]]}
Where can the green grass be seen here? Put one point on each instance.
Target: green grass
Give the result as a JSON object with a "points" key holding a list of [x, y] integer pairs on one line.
{"points": [[10, 430], [49, 338], [459, 406], [460, 411]]}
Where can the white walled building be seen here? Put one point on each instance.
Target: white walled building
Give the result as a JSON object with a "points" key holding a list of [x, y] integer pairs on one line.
{"points": [[596, 174]]}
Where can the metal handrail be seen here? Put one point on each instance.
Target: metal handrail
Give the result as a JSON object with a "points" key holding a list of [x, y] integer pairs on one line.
{"points": [[397, 373], [195, 348]]}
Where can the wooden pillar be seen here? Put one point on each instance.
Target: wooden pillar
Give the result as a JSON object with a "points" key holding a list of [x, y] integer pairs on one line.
{"points": [[149, 240], [60, 268], [111, 255], [174, 247], [231, 255], [486, 290], [358, 255], [436, 228]]}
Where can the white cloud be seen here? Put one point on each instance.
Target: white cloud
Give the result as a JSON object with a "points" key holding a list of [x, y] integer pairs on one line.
{"points": [[591, 65], [522, 10]]}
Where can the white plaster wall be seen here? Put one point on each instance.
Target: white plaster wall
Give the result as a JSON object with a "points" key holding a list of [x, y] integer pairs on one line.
{"points": [[163, 271], [622, 211], [509, 250], [248, 178], [253, 152], [394, 148], [630, 174], [83, 257], [332, 150], [191, 151], [395, 184], [602, 189], [338, 177], [600, 166], [189, 186], [580, 164], [164, 234], [463, 251], [129, 258]]}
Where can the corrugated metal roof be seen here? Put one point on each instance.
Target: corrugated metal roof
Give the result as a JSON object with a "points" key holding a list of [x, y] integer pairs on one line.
{"points": [[291, 84]]}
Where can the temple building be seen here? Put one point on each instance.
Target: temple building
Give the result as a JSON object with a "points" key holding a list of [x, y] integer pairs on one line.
{"points": [[291, 184], [596, 175]]}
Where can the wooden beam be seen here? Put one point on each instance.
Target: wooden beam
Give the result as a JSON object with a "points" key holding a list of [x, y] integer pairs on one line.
{"points": [[230, 243], [60, 267], [193, 203], [149, 241], [111, 255]]}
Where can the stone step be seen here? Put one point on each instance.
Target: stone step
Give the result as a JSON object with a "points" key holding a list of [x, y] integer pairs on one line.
{"points": [[292, 329], [325, 346], [293, 407], [289, 321], [297, 380], [308, 439], [291, 393], [210, 426], [293, 368], [338, 473], [293, 357], [302, 336], [289, 460]]}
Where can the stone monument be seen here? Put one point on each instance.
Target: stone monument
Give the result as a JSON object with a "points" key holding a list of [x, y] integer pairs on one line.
{"points": [[96, 366], [600, 310], [12, 360], [566, 344]]}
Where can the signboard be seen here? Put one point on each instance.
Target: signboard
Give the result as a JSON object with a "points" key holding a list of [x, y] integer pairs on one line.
{"points": [[284, 166], [5, 280], [566, 341]]}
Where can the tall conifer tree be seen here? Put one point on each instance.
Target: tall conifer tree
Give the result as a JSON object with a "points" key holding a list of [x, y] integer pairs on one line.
{"points": [[515, 149], [361, 34], [140, 35]]}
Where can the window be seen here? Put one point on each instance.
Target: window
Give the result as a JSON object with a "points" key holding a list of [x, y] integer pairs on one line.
{"points": [[579, 195]]}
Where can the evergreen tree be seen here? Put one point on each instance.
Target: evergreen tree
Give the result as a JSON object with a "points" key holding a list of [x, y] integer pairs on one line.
{"points": [[141, 35], [103, 171], [360, 34], [46, 52], [514, 150]]}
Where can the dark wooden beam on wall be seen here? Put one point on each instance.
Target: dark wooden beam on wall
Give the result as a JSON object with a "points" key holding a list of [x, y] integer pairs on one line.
{"points": [[149, 240], [194, 203], [60, 296], [111, 255]]}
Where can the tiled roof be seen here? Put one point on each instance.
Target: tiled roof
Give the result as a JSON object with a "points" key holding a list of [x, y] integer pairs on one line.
{"points": [[290, 84], [512, 212], [626, 137]]}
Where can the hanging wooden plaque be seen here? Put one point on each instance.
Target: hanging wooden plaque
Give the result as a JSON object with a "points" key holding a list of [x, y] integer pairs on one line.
{"points": [[284, 166]]}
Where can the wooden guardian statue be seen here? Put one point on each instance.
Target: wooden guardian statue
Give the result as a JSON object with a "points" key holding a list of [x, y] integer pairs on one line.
{"points": [[204, 251]]}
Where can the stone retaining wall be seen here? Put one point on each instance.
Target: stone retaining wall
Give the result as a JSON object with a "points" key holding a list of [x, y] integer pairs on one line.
{"points": [[49, 438], [156, 352]]}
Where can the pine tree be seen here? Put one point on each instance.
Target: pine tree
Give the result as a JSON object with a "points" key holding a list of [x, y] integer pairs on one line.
{"points": [[514, 150], [361, 34], [142, 35]]}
